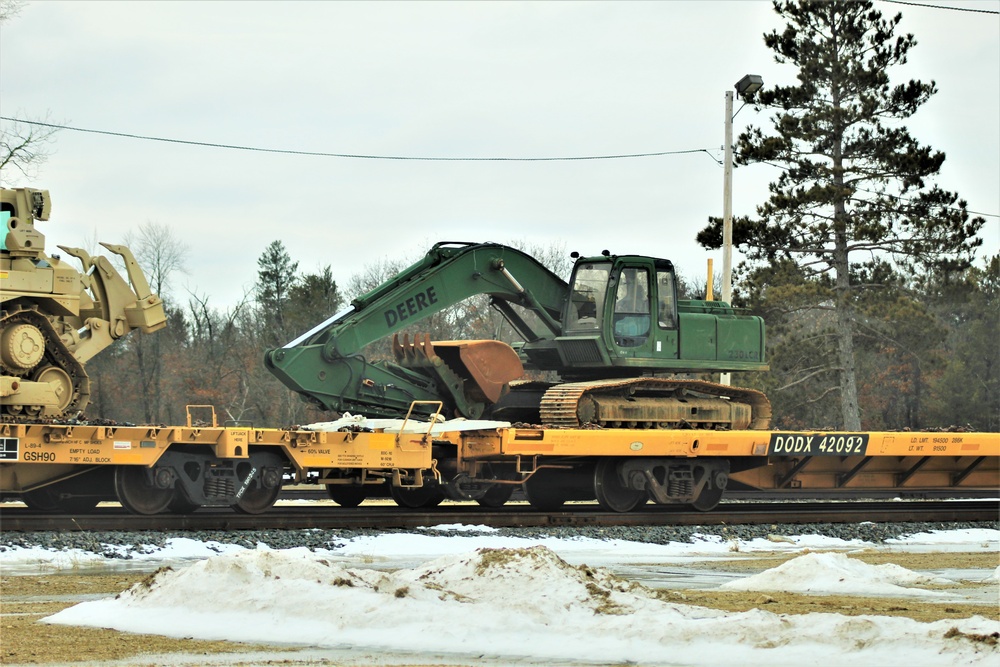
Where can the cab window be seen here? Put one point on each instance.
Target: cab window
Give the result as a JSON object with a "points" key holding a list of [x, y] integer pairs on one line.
{"points": [[590, 282], [632, 307], [666, 307]]}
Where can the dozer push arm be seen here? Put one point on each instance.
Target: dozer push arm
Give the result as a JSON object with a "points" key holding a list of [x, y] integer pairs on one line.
{"points": [[323, 364], [116, 308]]}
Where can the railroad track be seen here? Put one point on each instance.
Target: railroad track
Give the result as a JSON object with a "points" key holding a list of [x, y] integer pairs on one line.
{"points": [[16, 518]]}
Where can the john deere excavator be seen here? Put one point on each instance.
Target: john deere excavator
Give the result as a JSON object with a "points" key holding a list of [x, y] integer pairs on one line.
{"points": [[616, 335], [55, 318]]}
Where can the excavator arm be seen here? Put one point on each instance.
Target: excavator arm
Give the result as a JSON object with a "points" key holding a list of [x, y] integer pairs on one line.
{"points": [[326, 367]]}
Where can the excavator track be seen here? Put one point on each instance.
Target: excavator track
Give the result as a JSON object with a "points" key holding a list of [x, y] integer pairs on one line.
{"points": [[654, 403], [56, 360]]}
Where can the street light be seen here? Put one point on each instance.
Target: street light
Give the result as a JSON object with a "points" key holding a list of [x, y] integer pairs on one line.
{"points": [[746, 87], [749, 85]]}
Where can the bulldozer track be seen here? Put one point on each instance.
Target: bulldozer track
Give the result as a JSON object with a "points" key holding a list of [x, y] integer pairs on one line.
{"points": [[560, 404], [55, 355]]}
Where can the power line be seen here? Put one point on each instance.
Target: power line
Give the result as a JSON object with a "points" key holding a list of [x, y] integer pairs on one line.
{"points": [[389, 157], [258, 149], [954, 9]]}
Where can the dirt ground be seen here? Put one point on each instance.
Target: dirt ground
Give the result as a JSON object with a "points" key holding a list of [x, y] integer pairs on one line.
{"points": [[26, 599]]}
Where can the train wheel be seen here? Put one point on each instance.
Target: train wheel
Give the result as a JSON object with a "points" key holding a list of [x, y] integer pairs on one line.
{"points": [[138, 493], [708, 499], [543, 492], [347, 495], [257, 500], [260, 494], [496, 496], [612, 495], [40, 500], [425, 496]]}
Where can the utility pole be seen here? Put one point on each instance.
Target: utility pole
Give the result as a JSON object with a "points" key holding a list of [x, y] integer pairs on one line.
{"points": [[746, 87], [727, 206]]}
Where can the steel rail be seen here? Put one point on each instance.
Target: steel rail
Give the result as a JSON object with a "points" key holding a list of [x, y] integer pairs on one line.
{"points": [[511, 516]]}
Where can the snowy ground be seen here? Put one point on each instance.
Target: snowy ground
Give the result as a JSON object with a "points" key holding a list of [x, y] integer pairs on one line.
{"points": [[463, 594]]}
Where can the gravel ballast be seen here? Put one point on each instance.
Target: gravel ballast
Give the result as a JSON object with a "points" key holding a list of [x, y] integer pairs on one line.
{"points": [[109, 543]]}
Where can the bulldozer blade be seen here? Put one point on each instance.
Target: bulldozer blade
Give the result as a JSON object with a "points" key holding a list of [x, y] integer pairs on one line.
{"points": [[488, 364]]}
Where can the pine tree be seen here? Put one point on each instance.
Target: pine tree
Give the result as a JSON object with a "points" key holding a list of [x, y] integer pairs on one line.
{"points": [[855, 185], [276, 274], [313, 299]]}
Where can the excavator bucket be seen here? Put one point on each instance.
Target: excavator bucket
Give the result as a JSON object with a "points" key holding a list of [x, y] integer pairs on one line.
{"points": [[488, 365]]}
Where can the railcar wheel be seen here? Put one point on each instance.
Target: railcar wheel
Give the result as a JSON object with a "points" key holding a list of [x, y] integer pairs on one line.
{"points": [[347, 495], [496, 496], [425, 496], [40, 500], [612, 495], [138, 492], [709, 498], [257, 500], [260, 494], [543, 492]]}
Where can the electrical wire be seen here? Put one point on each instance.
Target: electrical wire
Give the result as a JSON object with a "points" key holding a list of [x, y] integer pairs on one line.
{"points": [[353, 155], [954, 9], [391, 157]]}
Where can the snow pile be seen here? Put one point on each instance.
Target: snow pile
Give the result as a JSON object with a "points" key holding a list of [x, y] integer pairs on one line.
{"points": [[838, 574], [176, 550], [936, 540], [510, 604]]}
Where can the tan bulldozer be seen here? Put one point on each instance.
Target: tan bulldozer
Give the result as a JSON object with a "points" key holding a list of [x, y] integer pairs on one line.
{"points": [[55, 317]]}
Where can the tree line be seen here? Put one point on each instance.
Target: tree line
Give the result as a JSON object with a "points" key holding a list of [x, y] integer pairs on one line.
{"points": [[925, 344]]}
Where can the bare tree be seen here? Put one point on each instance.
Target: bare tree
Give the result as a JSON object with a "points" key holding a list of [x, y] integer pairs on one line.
{"points": [[159, 252], [24, 145], [10, 9], [23, 148]]}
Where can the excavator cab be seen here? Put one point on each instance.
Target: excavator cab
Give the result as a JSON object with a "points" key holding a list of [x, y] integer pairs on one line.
{"points": [[623, 319], [622, 296]]}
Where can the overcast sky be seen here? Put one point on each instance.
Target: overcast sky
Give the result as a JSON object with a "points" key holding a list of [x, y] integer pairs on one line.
{"points": [[444, 79]]}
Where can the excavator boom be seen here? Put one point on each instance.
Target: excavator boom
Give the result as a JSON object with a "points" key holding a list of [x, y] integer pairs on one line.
{"points": [[326, 367]]}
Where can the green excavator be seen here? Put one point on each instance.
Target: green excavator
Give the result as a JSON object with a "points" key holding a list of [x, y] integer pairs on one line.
{"points": [[628, 353]]}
